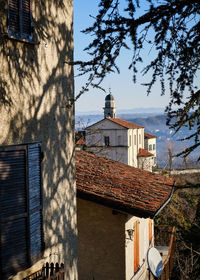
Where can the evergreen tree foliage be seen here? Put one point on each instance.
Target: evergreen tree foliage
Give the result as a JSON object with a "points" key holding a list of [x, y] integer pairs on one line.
{"points": [[171, 28]]}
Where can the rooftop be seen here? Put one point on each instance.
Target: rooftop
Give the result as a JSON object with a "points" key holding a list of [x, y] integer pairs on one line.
{"points": [[120, 186], [144, 153], [124, 123], [148, 135], [80, 142]]}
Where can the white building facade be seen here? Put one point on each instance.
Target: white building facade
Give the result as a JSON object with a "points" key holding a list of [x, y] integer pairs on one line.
{"points": [[118, 139], [150, 145]]}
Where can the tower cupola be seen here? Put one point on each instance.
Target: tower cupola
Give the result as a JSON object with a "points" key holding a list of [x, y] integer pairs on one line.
{"points": [[109, 109]]}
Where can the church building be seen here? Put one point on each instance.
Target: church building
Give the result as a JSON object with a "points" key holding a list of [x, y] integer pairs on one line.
{"points": [[121, 140]]}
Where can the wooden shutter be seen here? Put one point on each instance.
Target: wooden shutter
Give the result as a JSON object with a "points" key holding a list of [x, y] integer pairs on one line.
{"points": [[13, 211], [26, 18], [136, 246], [35, 207], [20, 208], [150, 230], [19, 18], [13, 17]]}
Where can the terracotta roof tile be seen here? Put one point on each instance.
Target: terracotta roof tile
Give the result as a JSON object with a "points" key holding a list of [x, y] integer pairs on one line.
{"points": [[148, 135], [124, 123], [120, 186], [144, 153], [80, 142]]}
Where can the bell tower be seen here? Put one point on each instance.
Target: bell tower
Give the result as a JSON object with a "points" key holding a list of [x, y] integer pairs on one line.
{"points": [[109, 109]]}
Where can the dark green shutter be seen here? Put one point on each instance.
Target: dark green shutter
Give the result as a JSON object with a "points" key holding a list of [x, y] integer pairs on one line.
{"points": [[26, 19], [19, 19], [13, 210], [13, 17], [35, 201], [20, 207]]}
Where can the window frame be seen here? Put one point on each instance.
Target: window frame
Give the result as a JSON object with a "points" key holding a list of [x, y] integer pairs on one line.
{"points": [[119, 140], [107, 141], [20, 35], [31, 258], [135, 141]]}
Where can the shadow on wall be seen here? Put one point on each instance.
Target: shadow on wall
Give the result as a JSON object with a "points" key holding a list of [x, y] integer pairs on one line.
{"points": [[36, 87]]}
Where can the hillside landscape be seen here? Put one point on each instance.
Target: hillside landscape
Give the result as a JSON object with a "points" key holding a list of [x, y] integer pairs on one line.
{"points": [[155, 124], [183, 212], [167, 139]]}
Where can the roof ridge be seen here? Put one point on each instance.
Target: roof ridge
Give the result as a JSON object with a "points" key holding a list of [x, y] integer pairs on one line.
{"points": [[125, 123]]}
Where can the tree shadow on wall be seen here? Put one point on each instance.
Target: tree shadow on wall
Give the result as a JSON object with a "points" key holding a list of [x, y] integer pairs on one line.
{"points": [[36, 85]]}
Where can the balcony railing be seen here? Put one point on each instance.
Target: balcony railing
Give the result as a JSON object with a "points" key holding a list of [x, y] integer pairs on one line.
{"points": [[48, 272], [165, 243]]}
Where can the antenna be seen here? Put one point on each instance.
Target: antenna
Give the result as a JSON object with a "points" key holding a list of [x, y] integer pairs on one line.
{"points": [[154, 260]]}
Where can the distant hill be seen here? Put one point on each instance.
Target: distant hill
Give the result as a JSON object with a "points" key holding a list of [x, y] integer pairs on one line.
{"points": [[83, 119], [151, 122], [134, 111], [166, 138]]}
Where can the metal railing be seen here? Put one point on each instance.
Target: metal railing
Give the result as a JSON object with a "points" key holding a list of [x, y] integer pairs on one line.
{"points": [[48, 272]]}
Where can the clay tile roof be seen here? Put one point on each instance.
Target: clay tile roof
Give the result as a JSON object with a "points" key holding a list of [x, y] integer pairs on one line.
{"points": [[144, 153], [124, 123], [80, 142], [120, 186], [148, 135]]}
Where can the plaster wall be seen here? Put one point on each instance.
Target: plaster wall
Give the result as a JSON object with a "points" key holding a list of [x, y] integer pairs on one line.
{"points": [[101, 242], [115, 153], [36, 91], [148, 142], [117, 137], [140, 138], [133, 147], [146, 163]]}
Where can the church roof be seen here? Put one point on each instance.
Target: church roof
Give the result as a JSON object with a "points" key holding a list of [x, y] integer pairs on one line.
{"points": [[144, 153], [148, 135], [124, 123], [119, 186]]}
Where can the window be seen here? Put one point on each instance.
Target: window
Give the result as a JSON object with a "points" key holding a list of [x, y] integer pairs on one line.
{"points": [[129, 140], [150, 147], [154, 146], [135, 139], [20, 208], [136, 247], [107, 140], [19, 19], [139, 139], [119, 140]]}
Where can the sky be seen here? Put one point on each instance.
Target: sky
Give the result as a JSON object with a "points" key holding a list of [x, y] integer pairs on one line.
{"points": [[127, 94]]}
